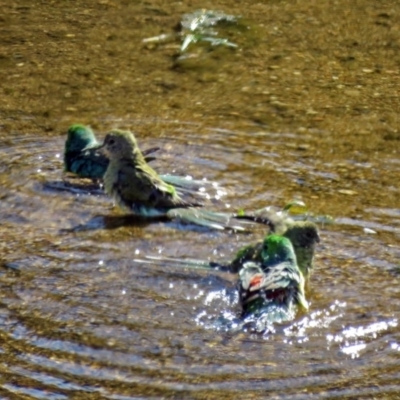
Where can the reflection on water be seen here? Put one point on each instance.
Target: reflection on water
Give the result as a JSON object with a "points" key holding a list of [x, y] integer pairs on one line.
{"points": [[79, 317]]}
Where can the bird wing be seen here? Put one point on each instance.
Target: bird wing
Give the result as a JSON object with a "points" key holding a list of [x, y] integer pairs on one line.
{"points": [[284, 276], [160, 193], [279, 276], [135, 186], [140, 185]]}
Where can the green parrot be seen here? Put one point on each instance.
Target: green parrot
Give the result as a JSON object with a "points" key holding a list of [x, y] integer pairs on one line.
{"points": [[303, 235], [138, 189], [273, 289], [87, 164]]}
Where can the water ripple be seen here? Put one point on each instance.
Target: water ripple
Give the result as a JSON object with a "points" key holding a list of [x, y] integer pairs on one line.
{"points": [[82, 315]]}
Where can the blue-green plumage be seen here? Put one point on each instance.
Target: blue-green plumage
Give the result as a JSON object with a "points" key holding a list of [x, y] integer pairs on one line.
{"points": [[88, 164]]}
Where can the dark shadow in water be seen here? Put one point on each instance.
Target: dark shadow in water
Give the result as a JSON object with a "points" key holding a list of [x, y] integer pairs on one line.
{"points": [[87, 187], [10, 266], [111, 222]]}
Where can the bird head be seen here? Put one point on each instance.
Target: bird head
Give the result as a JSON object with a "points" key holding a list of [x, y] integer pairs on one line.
{"points": [[79, 137], [303, 234], [277, 249], [119, 144]]}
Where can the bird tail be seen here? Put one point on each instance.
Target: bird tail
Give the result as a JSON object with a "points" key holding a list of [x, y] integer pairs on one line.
{"points": [[275, 220], [279, 220], [259, 303], [182, 181], [186, 263], [209, 219], [187, 185]]}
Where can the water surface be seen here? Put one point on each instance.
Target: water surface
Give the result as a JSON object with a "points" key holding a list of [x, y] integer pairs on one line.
{"points": [[306, 109]]}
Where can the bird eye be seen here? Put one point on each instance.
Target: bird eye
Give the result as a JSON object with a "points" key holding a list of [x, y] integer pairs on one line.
{"points": [[111, 141]]}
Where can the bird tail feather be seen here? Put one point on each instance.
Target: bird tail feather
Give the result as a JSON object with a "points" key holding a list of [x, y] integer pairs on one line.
{"points": [[184, 183], [209, 219], [188, 263]]}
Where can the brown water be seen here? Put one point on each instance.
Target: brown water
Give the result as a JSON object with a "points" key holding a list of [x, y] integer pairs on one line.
{"points": [[306, 108]]}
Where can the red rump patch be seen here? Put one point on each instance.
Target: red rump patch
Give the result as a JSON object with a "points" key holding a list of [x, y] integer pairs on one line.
{"points": [[256, 280]]}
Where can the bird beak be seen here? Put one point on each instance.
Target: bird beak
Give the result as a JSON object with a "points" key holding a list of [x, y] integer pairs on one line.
{"points": [[93, 147]]}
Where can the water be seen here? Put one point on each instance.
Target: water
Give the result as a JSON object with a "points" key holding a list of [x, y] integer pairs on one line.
{"points": [[81, 316]]}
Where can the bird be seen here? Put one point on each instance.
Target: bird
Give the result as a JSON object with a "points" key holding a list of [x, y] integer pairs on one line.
{"points": [[138, 189], [89, 163], [303, 236], [272, 290], [132, 183]]}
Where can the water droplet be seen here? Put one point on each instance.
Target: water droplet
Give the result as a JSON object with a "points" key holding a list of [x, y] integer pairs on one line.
{"points": [[221, 193], [395, 346], [101, 262]]}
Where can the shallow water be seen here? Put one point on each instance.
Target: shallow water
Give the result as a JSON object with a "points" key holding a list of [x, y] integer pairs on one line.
{"points": [[83, 316]]}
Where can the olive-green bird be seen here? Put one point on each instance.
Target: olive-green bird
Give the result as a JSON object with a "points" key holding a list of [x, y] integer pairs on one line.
{"points": [[138, 189], [132, 183], [274, 288], [88, 163]]}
